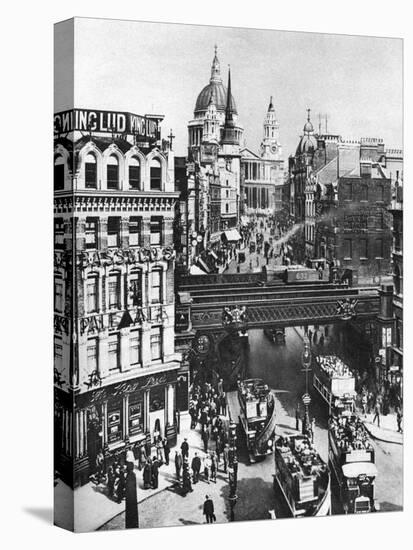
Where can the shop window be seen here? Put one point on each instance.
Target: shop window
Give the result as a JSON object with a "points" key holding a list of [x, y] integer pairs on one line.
{"points": [[112, 172], [59, 173], [134, 174], [156, 231], [59, 240], [348, 248], [155, 170], [113, 352], [92, 356], [90, 172], [134, 348], [156, 286], [91, 232], [58, 296], [157, 399], [135, 288], [363, 243], [92, 294], [115, 421], [113, 231], [134, 231], [114, 291], [135, 414], [156, 344]]}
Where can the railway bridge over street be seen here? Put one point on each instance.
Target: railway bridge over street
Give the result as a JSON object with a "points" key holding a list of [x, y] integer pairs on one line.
{"points": [[211, 307]]}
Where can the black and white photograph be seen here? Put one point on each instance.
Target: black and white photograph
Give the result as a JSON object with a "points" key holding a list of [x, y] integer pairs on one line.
{"points": [[228, 275]]}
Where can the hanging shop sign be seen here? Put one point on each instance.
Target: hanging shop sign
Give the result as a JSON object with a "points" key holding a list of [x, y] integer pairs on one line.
{"points": [[145, 128]]}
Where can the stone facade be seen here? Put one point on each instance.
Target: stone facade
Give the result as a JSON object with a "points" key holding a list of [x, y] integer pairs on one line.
{"points": [[115, 360]]}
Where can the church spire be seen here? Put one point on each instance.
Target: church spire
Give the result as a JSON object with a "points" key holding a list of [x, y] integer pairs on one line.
{"points": [[228, 108], [215, 69], [271, 106]]}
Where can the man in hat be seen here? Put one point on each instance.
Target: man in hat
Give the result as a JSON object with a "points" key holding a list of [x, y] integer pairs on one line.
{"points": [[196, 467], [209, 510], [178, 465], [185, 448]]}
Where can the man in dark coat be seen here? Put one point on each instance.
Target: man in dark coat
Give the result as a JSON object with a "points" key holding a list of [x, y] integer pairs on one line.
{"points": [[147, 474], [166, 451], [131, 504], [178, 465], [209, 510], [155, 472], [185, 448], [196, 467], [205, 438]]}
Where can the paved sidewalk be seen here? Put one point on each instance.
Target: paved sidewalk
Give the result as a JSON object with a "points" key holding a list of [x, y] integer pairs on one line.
{"points": [[92, 506], [387, 431]]}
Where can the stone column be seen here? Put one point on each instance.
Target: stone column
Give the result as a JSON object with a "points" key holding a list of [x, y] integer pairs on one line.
{"points": [[146, 345], [126, 417], [170, 404], [104, 424], [124, 232], [124, 349], [103, 353]]}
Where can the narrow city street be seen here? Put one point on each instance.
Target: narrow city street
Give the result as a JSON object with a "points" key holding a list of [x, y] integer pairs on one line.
{"points": [[280, 367]]}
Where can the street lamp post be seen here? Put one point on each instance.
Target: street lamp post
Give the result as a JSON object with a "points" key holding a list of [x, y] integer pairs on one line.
{"points": [[306, 363], [232, 468]]}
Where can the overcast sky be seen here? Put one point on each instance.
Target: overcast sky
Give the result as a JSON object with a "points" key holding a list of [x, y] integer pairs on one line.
{"points": [[161, 68]]}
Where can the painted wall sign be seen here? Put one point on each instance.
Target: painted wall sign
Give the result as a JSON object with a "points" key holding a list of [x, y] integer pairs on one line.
{"points": [[128, 256], [91, 120]]}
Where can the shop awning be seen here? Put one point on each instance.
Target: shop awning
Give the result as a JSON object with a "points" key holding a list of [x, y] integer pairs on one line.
{"points": [[195, 270], [232, 235], [203, 266], [355, 469]]}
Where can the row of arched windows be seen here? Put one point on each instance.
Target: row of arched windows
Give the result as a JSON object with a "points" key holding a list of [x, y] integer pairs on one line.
{"points": [[112, 171]]}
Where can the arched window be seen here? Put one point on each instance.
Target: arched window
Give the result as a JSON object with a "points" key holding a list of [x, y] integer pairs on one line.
{"points": [[112, 172], [135, 288], [90, 171], [59, 173], [155, 175], [134, 173]]}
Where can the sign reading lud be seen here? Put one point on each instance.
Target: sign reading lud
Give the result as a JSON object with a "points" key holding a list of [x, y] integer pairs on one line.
{"points": [[145, 127]]}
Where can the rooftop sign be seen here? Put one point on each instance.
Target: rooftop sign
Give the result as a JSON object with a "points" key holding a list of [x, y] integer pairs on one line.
{"points": [[91, 120]]}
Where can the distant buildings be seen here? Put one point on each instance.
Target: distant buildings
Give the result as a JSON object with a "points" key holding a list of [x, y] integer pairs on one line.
{"points": [[263, 173], [341, 192]]}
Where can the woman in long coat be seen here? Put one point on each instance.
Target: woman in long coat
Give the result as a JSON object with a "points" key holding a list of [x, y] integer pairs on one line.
{"points": [[147, 474]]}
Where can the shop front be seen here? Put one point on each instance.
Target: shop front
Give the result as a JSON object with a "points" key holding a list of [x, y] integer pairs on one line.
{"points": [[123, 416]]}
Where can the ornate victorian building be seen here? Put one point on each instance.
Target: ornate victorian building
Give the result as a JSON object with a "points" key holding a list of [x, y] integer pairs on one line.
{"points": [[263, 173], [115, 361], [214, 166]]}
